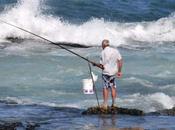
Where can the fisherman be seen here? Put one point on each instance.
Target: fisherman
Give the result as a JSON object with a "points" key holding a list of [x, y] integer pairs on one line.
{"points": [[111, 65]]}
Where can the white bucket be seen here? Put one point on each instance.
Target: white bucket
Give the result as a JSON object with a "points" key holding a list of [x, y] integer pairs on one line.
{"points": [[88, 85]]}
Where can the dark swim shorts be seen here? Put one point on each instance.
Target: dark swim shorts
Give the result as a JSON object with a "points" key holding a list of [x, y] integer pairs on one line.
{"points": [[108, 81]]}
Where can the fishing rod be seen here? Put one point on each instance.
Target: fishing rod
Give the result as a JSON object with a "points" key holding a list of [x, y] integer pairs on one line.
{"points": [[47, 41]]}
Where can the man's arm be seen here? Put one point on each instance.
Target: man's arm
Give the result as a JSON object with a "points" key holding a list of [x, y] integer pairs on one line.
{"points": [[119, 65], [98, 65]]}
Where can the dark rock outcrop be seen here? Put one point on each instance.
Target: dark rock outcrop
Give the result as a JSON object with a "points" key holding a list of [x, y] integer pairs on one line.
{"points": [[165, 112], [126, 111], [13, 125], [15, 39], [9, 125], [112, 110], [65, 44]]}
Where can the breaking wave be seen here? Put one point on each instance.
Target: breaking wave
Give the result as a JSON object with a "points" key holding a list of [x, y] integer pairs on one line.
{"points": [[28, 15], [148, 103]]}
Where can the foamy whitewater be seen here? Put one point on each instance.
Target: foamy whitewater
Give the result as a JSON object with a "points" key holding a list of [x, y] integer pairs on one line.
{"points": [[37, 79], [28, 15]]}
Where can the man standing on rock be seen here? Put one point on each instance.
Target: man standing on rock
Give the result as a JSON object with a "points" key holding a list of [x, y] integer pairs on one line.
{"points": [[111, 64]]}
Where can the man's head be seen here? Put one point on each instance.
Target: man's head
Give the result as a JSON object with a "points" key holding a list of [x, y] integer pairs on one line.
{"points": [[105, 43]]}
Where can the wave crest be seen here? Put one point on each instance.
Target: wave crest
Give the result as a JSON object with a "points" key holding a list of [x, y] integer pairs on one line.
{"points": [[28, 14]]}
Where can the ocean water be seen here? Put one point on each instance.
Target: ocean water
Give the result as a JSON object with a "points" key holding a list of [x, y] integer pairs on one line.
{"points": [[42, 83]]}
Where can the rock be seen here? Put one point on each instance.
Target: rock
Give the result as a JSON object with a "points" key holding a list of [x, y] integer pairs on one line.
{"points": [[112, 110], [126, 128], [9, 125], [32, 126], [65, 44], [69, 44], [8, 102], [165, 112], [15, 39], [14, 125]]}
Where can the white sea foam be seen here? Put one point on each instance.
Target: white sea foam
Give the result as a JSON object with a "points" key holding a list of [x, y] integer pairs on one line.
{"points": [[148, 103], [143, 82], [27, 14], [169, 86], [12, 100], [163, 74]]}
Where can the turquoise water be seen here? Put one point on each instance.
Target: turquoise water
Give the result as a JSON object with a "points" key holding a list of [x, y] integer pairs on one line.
{"points": [[43, 83], [51, 82], [148, 75]]}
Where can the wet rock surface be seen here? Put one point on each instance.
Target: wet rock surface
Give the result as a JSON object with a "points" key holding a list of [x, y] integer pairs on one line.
{"points": [[7, 125], [65, 44], [15, 39], [14, 125], [165, 112], [126, 111], [113, 110]]}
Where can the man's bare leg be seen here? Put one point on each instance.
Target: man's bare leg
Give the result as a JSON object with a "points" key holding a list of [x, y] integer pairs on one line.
{"points": [[105, 96], [114, 95]]}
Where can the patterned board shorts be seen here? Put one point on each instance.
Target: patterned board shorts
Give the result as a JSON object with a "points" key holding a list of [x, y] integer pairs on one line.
{"points": [[108, 81]]}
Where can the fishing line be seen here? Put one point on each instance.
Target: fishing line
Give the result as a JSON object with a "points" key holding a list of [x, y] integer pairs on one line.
{"points": [[47, 40], [93, 82]]}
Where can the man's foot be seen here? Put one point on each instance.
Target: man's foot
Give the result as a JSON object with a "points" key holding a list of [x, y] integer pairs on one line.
{"points": [[104, 106], [113, 105]]}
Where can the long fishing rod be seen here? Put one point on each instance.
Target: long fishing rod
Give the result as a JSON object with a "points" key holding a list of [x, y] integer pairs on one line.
{"points": [[46, 40]]}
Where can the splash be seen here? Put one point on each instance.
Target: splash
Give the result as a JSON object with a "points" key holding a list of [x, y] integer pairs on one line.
{"points": [[148, 103], [28, 15]]}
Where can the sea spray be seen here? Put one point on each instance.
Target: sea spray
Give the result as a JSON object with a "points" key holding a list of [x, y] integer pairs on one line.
{"points": [[91, 32], [149, 102]]}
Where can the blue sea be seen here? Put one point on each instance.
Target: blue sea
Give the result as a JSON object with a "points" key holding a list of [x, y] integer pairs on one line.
{"points": [[41, 83]]}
